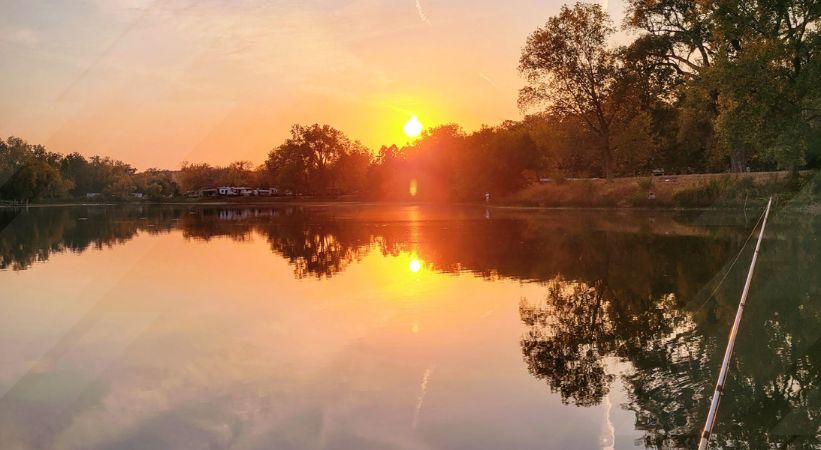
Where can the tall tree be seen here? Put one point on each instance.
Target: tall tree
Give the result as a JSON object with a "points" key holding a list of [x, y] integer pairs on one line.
{"points": [[569, 67], [751, 70], [309, 161], [768, 79], [30, 172], [677, 31], [75, 167]]}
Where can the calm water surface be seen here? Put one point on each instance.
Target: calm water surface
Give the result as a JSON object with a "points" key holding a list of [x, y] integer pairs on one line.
{"points": [[401, 327]]}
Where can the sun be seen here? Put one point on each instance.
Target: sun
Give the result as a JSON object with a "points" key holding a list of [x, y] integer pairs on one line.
{"points": [[413, 127], [415, 265]]}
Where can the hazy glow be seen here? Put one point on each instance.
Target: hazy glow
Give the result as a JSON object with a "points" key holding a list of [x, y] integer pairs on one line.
{"points": [[155, 83], [415, 265], [412, 188], [413, 127]]}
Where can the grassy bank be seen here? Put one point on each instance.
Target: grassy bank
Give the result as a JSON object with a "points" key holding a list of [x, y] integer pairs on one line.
{"points": [[673, 191], [726, 191]]}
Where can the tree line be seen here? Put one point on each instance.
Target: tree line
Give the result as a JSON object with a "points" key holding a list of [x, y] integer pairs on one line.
{"points": [[726, 85], [705, 86], [30, 172]]}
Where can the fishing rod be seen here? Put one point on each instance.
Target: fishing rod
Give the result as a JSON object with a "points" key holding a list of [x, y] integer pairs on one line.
{"points": [[728, 353]]}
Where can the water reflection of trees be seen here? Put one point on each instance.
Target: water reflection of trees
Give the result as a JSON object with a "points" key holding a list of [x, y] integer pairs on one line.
{"points": [[321, 248], [566, 341], [674, 344], [630, 288], [315, 244], [576, 326], [323, 241], [32, 235]]}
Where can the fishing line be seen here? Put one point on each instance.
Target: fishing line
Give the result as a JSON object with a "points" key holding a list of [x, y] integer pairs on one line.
{"points": [[735, 260]]}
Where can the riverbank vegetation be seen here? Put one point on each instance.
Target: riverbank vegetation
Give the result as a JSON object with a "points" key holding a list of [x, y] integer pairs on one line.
{"points": [[704, 87], [673, 191]]}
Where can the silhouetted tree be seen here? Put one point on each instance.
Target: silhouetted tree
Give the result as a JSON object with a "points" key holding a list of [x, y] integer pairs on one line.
{"points": [[569, 66], [312, 159]]}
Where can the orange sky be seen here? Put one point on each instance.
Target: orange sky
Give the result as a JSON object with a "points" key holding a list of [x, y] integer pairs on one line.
{"points": [[155, 83]]}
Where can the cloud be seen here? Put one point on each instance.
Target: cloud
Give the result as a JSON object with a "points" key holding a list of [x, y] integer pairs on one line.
{"points": [[485, 77], [422, 15]]}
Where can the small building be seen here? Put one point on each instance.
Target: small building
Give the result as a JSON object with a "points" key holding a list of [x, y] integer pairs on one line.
{"points": [[233, 191]]}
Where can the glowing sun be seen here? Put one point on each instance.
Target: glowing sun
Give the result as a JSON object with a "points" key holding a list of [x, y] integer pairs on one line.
{"points": [[413, 127], [415, 265]]}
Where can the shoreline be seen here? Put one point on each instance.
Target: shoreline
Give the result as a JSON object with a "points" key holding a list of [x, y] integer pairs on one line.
{"points": [[695, 192], [813, 208]]}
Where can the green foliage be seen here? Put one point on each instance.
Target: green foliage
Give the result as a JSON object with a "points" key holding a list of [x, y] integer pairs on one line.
{"points": [[635, 145], [29, 172], [570, 68], [318, 159], [35, 179], [749, 95], [565, 146], [156, 184]]}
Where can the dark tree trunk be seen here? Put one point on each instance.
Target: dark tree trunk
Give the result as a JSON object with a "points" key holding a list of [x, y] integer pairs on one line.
{"points": [[607, 157], [738, 160]]}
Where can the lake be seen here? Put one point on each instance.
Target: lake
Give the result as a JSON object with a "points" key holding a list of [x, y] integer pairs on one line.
{"points": [[403, 327]]}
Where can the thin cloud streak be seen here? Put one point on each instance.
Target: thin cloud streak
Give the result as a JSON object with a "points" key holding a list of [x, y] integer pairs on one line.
{"points": [[422, 15], [423, 390], [487, 78]]}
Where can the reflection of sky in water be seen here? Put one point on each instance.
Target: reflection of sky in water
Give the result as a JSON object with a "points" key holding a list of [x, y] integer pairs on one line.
{"points": [[398, 327], [164, 343]]}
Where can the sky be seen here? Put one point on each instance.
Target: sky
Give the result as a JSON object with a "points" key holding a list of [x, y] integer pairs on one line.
{"points": [[158, 82]]}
